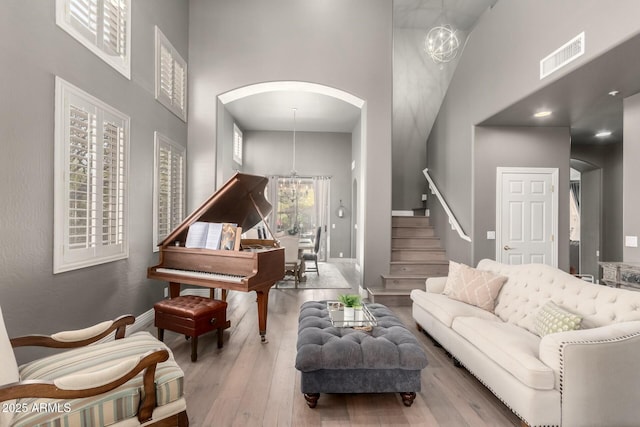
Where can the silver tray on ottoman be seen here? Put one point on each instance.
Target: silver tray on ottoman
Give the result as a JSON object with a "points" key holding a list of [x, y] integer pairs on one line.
{"points": [[343, 317]]}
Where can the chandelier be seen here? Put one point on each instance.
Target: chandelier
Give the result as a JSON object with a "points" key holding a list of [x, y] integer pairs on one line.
{"points": [[441, 42]]}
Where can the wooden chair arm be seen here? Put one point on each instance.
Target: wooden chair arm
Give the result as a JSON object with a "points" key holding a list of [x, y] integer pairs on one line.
{"points": [[65, 388], [61, 340]]}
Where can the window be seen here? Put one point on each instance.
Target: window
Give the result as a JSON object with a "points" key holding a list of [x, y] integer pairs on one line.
{"points": [[90, 183], [103, 26], [171, 77], [237, 144], [169, 187]]}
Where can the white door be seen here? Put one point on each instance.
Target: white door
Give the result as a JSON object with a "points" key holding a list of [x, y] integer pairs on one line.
{"points": [[527, 212]]}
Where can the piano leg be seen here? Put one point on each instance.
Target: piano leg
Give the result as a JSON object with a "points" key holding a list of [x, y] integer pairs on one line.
{"points": [[174, 289], [223, 294], [263, 300]]}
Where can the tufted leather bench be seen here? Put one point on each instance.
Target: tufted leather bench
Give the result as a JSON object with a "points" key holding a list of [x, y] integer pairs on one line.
{"points": [[192, 316], [345, 360]]}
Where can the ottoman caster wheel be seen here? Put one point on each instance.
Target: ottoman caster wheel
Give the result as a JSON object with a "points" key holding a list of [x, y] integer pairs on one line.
{"points": [[407, 398], [312, 399]]}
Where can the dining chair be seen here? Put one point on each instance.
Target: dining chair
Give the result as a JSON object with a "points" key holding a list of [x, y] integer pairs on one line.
{"points": [[308, 256]]}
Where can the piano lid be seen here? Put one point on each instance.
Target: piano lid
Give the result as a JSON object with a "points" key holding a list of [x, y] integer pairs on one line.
{"points": [[237, 201]]}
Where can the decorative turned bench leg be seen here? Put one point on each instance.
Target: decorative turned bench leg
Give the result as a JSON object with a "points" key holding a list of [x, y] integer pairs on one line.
{"points": [[194, 349], [220, 338], [407, 398], [312, 399]]}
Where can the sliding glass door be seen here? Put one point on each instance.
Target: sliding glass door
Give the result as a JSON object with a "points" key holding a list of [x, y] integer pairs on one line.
{"points": [[300, 207]]}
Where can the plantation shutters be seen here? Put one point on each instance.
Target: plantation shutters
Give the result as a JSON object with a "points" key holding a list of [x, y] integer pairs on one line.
{"points": [[103, 26], [90, 197], [84, 17], [114, 28], [169, 194], [171, 77]]}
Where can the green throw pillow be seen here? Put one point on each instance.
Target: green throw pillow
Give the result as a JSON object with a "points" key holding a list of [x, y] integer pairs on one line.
{"points": [[551, 318]]}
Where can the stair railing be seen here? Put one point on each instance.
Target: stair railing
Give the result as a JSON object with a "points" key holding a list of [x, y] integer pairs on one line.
{"points": [[452, 219]]}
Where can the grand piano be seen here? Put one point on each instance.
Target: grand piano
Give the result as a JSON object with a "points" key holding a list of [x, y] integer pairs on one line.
{"points": [[257, 266]]}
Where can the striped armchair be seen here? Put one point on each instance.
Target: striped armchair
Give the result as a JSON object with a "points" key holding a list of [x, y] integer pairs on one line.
{"points": [[128, 381]]}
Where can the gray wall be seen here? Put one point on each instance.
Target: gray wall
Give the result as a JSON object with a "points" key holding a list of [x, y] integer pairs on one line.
{"points": [[34, 51], [317, 153], [225, 165], [590, 246], [419, 85], [499, 67], [356, 189], [631, 175], [517, 147], [345, 45], [602, 203]]}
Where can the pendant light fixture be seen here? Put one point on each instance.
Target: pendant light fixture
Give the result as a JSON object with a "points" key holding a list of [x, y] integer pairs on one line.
{"points": [[441, 42]]}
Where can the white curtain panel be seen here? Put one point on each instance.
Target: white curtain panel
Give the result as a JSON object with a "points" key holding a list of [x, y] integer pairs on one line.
{"points": [[322, 187]]}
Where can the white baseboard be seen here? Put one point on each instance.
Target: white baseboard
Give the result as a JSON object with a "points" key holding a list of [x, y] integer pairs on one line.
{"points": [[342, 260], [143, 321]]}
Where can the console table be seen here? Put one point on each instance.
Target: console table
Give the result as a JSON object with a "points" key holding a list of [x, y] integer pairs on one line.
{"points": [[621, 274]]}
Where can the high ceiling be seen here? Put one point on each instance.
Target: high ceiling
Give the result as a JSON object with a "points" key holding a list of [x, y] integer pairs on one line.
{"points": [[579, 100], [316, 112]]}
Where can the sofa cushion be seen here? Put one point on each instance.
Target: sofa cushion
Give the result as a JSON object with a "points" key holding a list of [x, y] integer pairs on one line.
{"points": [[551, 318], [446, 309], [511, 347], [476, 287], [107, 408]]}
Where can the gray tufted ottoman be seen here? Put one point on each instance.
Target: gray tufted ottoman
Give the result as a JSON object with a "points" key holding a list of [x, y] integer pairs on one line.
{"points": [[345, 360]]}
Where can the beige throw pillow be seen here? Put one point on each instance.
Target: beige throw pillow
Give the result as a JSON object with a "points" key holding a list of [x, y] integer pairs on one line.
{"points": [[473, 286], [452, 277]]}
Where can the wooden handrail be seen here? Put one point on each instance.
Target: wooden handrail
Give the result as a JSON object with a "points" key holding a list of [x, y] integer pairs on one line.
{"points": [[452, 219]]}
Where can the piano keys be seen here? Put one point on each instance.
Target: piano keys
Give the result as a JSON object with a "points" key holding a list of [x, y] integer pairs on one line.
{"points": [[257, 266], [231, 278]]}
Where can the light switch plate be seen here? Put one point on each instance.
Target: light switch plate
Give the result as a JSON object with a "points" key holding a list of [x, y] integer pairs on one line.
{"points": [[491, 235], [631, 241]]}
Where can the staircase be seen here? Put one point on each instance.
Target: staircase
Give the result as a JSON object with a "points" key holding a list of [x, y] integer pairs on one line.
{"points": [[416, 254]]}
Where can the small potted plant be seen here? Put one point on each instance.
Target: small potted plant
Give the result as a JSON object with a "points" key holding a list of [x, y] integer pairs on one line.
{"points": [[351, 303]]}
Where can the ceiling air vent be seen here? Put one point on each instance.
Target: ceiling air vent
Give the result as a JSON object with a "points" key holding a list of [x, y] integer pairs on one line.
{"points": [[562, 56]]}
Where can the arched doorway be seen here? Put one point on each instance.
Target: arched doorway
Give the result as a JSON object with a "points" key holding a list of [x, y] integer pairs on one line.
{"points": [[274, 93]]}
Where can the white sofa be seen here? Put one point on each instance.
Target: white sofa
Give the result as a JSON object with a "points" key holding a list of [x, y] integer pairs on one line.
{"points": [[585, 377]]}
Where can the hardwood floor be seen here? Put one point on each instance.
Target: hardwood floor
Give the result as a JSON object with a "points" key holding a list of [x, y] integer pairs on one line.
{"points": [[247, 383]]}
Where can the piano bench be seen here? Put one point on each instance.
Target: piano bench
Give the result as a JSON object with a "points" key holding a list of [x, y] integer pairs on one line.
{"points": [[192, 316]]}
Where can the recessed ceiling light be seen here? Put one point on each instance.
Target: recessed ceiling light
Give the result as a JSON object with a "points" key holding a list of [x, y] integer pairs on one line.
{"points": [[543, 113], [614, 92], [603, 133]]}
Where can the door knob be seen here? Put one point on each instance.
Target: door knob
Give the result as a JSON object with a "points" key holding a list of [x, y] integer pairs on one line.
{"points": [[507, 248]]}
